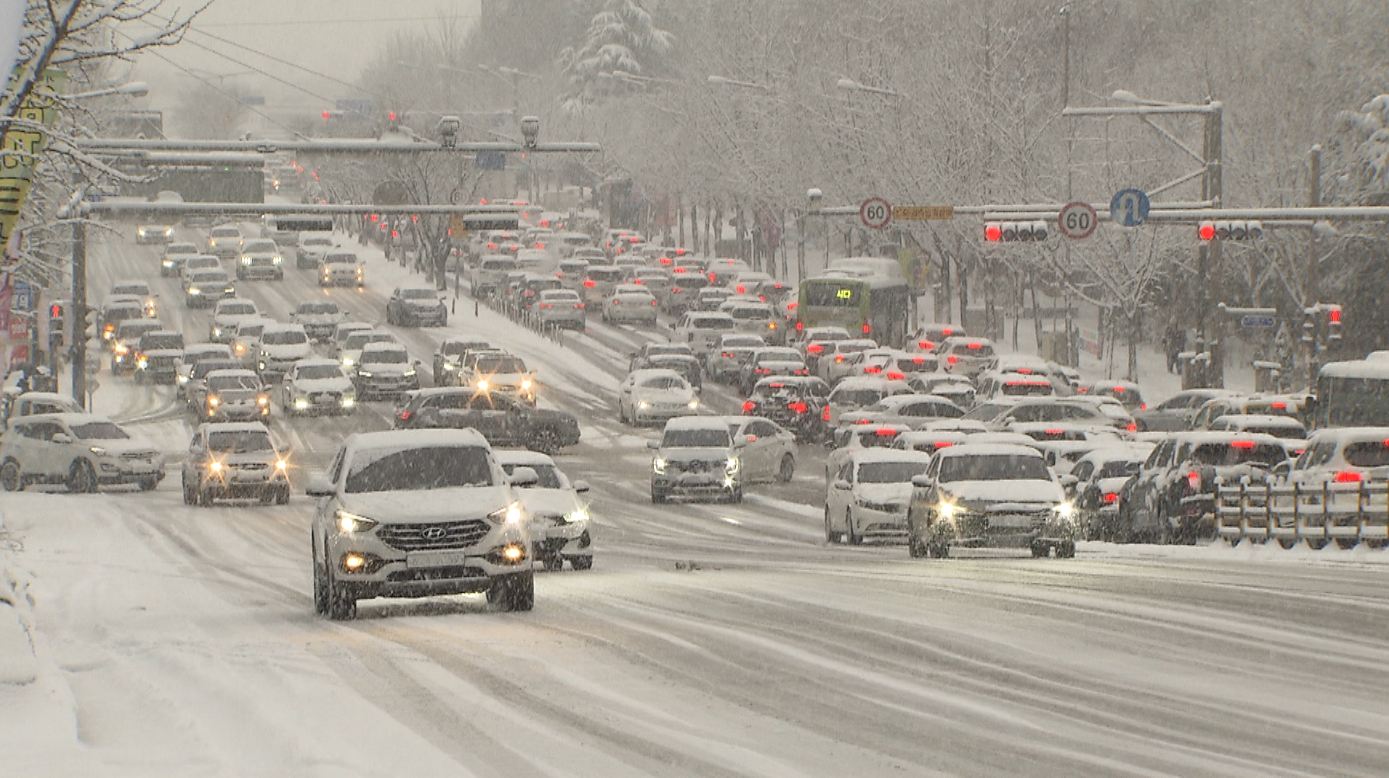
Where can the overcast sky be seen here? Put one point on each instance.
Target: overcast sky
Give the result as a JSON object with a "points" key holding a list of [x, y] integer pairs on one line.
{"points": [[332, 37]]}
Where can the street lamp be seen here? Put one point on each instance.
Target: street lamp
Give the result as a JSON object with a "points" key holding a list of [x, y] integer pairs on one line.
{"points": [[134, 89], [850, 85], [722, 81]]}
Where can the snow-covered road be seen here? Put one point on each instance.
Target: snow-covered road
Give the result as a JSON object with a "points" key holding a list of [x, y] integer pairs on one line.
{"points": [[707, 640]]}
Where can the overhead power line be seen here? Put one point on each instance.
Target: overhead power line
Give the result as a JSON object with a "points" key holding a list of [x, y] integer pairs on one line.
{"points": [[330, 22]]}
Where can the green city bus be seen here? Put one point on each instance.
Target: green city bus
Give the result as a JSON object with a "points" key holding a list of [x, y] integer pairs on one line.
{"points": [[1353, 394], [874, 306]]}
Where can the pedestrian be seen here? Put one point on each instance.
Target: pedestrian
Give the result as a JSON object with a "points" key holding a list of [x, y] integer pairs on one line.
{"points": [[1174, 343]]}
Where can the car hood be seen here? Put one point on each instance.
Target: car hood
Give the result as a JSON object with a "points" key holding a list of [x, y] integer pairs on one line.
{"points": [[164, 352], [286, 350], [228, 318], [428, 505], [549, 502], [995, 494], [900, 492], [662, 395], [339, 384], [317, 318], [126, 446], [694, 454], [391, 368]]}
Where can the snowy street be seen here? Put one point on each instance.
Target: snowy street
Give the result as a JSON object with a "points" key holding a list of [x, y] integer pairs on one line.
{"points": [[707, 639]]}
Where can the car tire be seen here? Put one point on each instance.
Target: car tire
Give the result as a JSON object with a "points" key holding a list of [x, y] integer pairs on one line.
{"points": [[553, 563], [81, 477], [544, 441], [11, 479], [148, 484], [1039, 550], [657, 497], [342, 604], [190, 496], [830, 535], [583, 562], [320, 579], [938, 550], [914, 547], [512, 592], [282, 497], [1066, 550], [205, 499], [850, 536], [737, 496], [787, 470]]}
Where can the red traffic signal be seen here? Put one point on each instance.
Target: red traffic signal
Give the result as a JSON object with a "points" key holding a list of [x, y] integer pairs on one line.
{"points": [[993, 232], [1206, 231], [55, 311], [327, 115], [1334, 315], [390, 116]]}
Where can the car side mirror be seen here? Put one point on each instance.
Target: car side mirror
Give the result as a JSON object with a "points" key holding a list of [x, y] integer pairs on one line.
{"points": [[61, 438], [921, 481], [653, 444], [319, 486], [1067, 480], [581, 487], [840, 483], [524, 476]]}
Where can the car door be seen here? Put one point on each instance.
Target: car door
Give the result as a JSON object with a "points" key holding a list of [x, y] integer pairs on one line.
{"points": [[51, 458], [196, 459], [763, 446], [836, 499]]}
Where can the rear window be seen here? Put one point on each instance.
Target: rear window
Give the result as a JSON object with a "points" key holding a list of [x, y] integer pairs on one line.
{"points": [[1374, 454], [1026, 389], [973, 349], [994, 467], [1238, 453], [712, 322], [889, 472], [605, 274], [857, 397]]}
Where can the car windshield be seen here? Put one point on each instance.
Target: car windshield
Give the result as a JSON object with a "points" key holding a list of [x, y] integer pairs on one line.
{"points": [[225, 232], [99, 430], [419, 294], [1119, 469], [201, 369], [385, 357], [161, 342], [359, 339], [336, 259], [319, 372], [857, 397], [239, 441], [420, 468], [316, 308], [284, 338], [236, 309], [259, 246], [889, 472], [548, 475], [664, 382], [994, 467], [316, 242], [226, 382], [456, 348], [703, 437], [500, 364]]}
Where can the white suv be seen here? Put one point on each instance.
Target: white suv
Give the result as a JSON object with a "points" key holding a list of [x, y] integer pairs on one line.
{"points": [[416, 513], [231, 461], [696, 457], [80, 450]]}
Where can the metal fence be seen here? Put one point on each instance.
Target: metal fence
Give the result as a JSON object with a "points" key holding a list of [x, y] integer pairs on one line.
{"points": [[1344, 513], [526, 316]]}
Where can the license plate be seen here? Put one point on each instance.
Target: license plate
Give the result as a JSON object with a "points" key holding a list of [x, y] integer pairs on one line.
{"points": [[1010, 521], [436, 559]]}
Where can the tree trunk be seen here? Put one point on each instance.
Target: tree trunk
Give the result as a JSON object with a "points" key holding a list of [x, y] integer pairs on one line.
{"points": [[680, 220], [963, 275], [1036, 316], [694, 226]]}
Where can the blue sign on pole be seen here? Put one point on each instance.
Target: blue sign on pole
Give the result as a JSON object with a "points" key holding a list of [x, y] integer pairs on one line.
{"points": [[1129, 207], [490, 160], [22, 297], [1258, 321]]}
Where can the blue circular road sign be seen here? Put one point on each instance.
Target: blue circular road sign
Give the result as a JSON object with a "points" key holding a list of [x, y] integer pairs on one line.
{"points": [[1129, 207]]}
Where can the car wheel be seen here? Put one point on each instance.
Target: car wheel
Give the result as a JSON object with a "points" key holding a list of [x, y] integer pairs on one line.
{"points": [[938, 550], [1287, 543], [621, 412], [581, 562], [1165, 535], [914, 548], [205, 499], [1066, 550], [148, 484], [787, 470], [1316, 544], [544, 441], [9, 476], [737, 496], [554, 563], [81, 478], [830, 535], [320, 579], [282, 497], [189, 495], [1347, 543], [850, 536], [512, 592], [342, 605], [658, 497]]}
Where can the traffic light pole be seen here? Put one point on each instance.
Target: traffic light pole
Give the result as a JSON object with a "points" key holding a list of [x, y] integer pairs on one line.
{"points": [[78, 311]]}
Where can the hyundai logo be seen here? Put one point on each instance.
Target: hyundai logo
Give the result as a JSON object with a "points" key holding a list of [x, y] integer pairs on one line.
{"points": [[434, 533]]}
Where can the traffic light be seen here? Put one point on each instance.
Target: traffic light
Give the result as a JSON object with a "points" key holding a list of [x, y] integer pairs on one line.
{"points": [[1333, 323], [89, 319], [1230, 230], [1309, 325], [392, 121], [55, 315], [1010, 232]]}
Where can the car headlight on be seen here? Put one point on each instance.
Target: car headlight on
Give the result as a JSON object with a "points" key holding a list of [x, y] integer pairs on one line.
{"points": [[168, 263], [731, 466], [658, 465], [692, 404], [482, 385], [262, 400], [182, 379], [98, 450], [409, 372], [949, 511], [1065, 511], [193, 290], [246, 260], [168, 231], [351, 523], [348, 401], [142, 363], [301, 403], [364, 373], [526, 384], [121, 349], [512, 514], [348, 361], [282, 464], [643, 405], [450, 367], [216, 332], [215, 467], [213, 401], [577, 515], [277, 259]]}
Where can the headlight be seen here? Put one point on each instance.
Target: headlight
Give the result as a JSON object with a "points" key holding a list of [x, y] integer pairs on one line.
{"points": [[245, 260], [301, 403], [182, 379], [643, 405], [262, 399], [731, 466], [511, 514], [577, 515], [142, 363], [216, 332], [450, 367], [213, 400], [277, 259], [121, 349], [168, 231], [349, 523], [692, 404], [282, 464], [364, 373], [482, 385], [526, 384], [409, 372], [98, 450], [168, 263], [1065, 510], [348, 361], [658, 465], [349, 401], [949, 511]]}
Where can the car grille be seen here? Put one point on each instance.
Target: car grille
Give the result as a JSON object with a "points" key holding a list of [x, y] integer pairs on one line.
{"points": [[416, 537], [696, 466], [162, 363], [435, 574], [137, 456], [320, 398], [251, 466]]}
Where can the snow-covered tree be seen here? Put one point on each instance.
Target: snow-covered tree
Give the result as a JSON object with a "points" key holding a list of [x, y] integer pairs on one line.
{"points": [[621, 38]]}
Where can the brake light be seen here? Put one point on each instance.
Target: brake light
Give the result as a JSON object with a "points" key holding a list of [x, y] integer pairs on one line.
{"points": [[896, 376], [802, 371], [940, 444], [926, 345], [863, 421], [406, 415], [653, 302], [816, 348], [1278, 405], [1131, 426], [1111, 497], [952, 359], [1118, 389], [1142, 406], [918, 360], [679, 271], [873, 369], [579, 306], [1348, 477], [798, 407], [1193, 481], [666, 261], [713, 278], [867, 328], [540, 245], [616, 301], [1023, 371], [791, 306], [883, 432], [839, 359], [726, 354], [491, 245], [800, 325], [749, 406], [763, 371], [825, 413], [589, 283], [680, 252], [975, 346], [638, 282], [1243, 445], [545, 306], [1055, 431], [741, 289]]}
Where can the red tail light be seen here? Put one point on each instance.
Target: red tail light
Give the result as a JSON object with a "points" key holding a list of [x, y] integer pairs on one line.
{"points": [[638, 282], [580, 306], [741, 289], [802, 371], [589, 283], [491, 245], [1348, 477], [1278, 405], [952, 359], [545, 306], [1131, 426], [825, 414], [798, 407], [867, 328], [677, 290], [1118, 389], [1142, 406], [667, 261], [918, 360], [1111, 497], [791, 306], [653, 302], [1024, 371], [940, 444], [1055, 431], [1243, 445], [725, 354], [926, 345], [1193, 481], [540, 245], [617, 302], [816, 348], [405, 415], [895, 376], [763, 371], [713, 278], [947, 331], [749, 406], [863, 421], [975, 346], [800, 325], [885, 433], [872, 369], [839, 359]]}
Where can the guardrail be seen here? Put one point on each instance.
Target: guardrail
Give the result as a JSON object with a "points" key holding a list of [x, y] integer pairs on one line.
{"points": [[1346, 513], [526, 317]]}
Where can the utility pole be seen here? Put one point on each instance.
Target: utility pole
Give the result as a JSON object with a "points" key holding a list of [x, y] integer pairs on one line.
{"points": [[1072, 353], [78, 316], [1313, 288]]}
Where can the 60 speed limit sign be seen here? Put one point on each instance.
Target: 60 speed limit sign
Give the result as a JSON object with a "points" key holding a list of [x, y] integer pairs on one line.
{"points": [[875, 213], [1077, 220]]}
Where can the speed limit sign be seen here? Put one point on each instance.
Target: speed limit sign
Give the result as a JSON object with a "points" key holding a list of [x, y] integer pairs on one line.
{"points": [[875, 213], [1077, 220]]}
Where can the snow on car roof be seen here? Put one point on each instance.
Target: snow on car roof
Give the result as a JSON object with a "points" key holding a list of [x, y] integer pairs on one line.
{"points": [[408, 439], [1003, 438], [644, 373], [871, 382], [972, 448], [1260, 419], [275, 326], [1349, 435], [519, 458], [698, 423], [231, 372], [381, 345], [878, 454], [234, 426], [1197, 437], [967, 426], [1119, 451], [1377, 369]]}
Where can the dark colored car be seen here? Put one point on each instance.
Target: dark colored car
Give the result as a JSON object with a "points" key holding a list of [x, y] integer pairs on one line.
{"points": [[684, 364], [500, 419], [795, 402]]}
